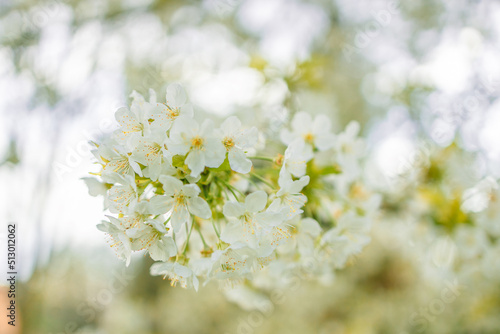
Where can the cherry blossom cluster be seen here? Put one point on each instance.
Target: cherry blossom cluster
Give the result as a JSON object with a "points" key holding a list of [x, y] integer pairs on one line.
{"points": [[206, 204], [449, 217]]}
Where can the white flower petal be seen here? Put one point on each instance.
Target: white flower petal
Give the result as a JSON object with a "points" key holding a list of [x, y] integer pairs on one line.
{"points": [[310, 226], [178, 146], [176, 96], [161, 116], [157, 224], [233, 209], [248, 138], [256, 201], [191, 190], [187, 110], [196, 162], [301, 122], [286, 136], [230, 125], [207, 128], [163, 249], [180, 215], [239, 161], [161, 268], [154, 169], [325, 141], [215, 152], [321, 124], [269, 218], [171, 185], [232, 232], [184, 125], [181, 270], [160, 204], [296, 186], [96, 188], [128, 120], [352, 129], [196, 283], [199, 207]]}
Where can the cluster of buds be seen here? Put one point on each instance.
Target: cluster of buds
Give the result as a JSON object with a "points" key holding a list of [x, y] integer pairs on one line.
{"points": [[204, 203]]}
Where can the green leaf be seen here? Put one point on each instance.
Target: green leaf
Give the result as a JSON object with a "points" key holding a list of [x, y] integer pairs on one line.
{"points": [[178, 160], [222, 168], [334, 169]]}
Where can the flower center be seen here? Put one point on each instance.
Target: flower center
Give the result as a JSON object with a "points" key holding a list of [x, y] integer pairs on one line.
{"points": [[197, 142], [174, 113], [179, 199], [228, 143], [346, 148], [358, 192], [309, 138]]}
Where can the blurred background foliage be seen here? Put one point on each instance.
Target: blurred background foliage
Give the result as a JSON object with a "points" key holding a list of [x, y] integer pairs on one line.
{"points": [[421, 77]]}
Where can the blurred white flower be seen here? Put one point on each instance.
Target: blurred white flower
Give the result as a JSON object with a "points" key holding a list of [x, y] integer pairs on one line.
{"points": [[471, 241], [303, 234], [347, 238], [296, 157], [315, 133], [349, 147], [235, 262], [477, 198], [288, 196]]}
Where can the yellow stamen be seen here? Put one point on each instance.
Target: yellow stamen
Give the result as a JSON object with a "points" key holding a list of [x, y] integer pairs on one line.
{"points": [[309, 138], [197, 142], [228, 143]]}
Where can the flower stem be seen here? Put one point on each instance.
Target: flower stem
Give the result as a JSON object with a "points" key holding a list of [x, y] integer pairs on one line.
{"points": [[263, 180], [262, 158], [188, 237], [201, 236], [215, 229], [232, 189]]}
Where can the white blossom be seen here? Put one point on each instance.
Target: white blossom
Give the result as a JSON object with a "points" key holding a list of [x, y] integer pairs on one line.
{"points": [[312, 132], [235, 262], [122, 197], [162, 116], [347, 238], [296, 157], [132, 121], [118, 238], [303, 235], [176, 273], [182, 200], [236, 141], [151, 152], [167, 183], [200, 144], [348, 147], [249, 222], [289, 196]]}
